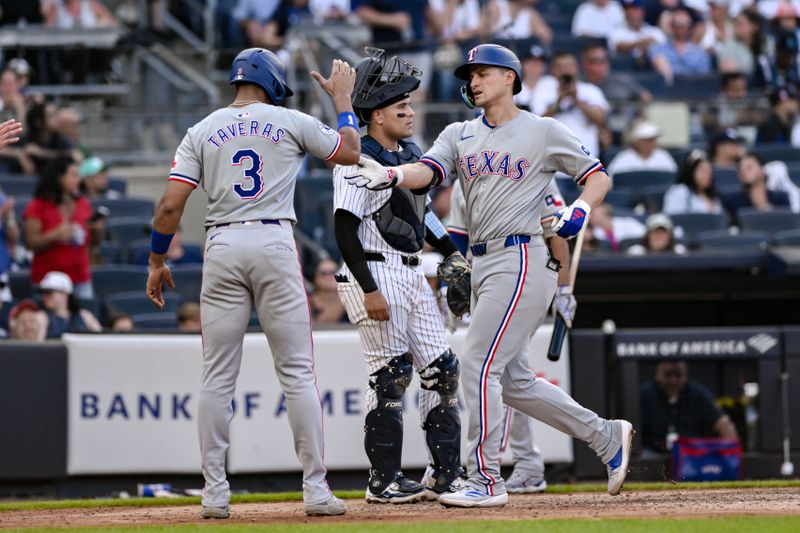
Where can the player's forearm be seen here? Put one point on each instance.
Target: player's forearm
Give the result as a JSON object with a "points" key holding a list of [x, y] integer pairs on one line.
{"points": [[595, 189], [595, 114], [350, 150], [415, 176], [560, 251], [345, 226]]}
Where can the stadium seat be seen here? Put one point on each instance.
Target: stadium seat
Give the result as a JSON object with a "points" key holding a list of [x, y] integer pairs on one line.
{"points": [[20, 203], [790, 237], [721, 240], [19, 186], [126, 229], [92, 305], [112, 252], [20, 284], [156, 321], [693, 224], [111, 279], [643, 178], [127, 207], [768, 221], [653, 196], [119, 185], [136, 303], [726, 177], [620, 198], [778, 152], [188, 281], [5, 309], [695, 87]]}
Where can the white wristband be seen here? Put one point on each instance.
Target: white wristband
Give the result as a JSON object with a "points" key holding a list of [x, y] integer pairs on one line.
{"points": [[399, 175], [564, 289], [583, 205]]}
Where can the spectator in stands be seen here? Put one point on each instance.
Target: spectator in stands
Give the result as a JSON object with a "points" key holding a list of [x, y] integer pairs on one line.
{"points": [[326, 308], [289, 13], [534, 67], [120, 322], [178, 254], [621, 87], [782, 119], [741, 50], [643, 153], [726, 149], [22, 69], [68, 14], [12, 101], [56, 226], [68, 125], [695, 191], [732, 107], [517, 19], [679, 56], [9, 235], [253, 16], [64, 313], [634, 36], [189, 317], [597, 18], [672, 406], [27, 322], [43, 143], [94, 180], [716, 27], [579, 105], [329, 10], [612, 230], [461, 20], [659, 237], [782, 69], [754, 192]]}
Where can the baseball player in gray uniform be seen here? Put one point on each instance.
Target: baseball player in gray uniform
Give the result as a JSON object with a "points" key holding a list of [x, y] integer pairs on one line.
{"points": [[505, 160], [383, 288], [517, 431], [246, 156]]}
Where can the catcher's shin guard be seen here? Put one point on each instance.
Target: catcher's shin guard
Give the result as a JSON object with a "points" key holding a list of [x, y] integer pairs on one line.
{"points": [[383, 427], [443, 425]]}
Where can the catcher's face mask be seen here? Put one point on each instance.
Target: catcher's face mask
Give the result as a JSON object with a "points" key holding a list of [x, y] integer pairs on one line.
{"points": [[382, 81]]}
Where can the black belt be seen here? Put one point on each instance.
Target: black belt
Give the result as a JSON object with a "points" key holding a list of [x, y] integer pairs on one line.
{"points": [[408, 260], [511, 240], [262, 221]]}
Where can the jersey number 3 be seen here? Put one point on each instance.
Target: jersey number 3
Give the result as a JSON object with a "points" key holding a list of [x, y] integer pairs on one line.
{"points": [[256, 186]]}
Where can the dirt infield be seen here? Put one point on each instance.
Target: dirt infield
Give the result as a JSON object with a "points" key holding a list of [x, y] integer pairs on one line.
{"points": [[631, 504]]}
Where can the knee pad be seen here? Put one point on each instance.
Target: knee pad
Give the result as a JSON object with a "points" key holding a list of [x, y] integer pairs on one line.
{"points": [[383, 426], [442, 375]]}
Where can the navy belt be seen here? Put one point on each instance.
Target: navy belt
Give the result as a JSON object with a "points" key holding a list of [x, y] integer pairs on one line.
{"points": [[512, 240], [407, 260], [262, 221]]}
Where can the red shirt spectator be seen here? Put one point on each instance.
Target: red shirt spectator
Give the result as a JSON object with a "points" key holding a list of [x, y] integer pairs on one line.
{"points": [[57, 225]]}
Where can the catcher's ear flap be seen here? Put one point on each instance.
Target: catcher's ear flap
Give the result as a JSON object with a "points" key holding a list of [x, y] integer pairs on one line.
{"points": [[467, 96]]}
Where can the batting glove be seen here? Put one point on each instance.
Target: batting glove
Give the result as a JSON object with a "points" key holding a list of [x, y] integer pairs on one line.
{"points": [[374, 176], [565, 304], [568, 221]]}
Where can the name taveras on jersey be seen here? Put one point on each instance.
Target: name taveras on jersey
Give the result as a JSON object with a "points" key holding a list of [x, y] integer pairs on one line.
{"points": [[250, 128], [488, 163]]}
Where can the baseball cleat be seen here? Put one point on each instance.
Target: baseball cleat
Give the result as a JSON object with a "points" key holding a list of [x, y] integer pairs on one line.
{"points": [[216, 512], [618, 465], [523, 483], [469, 496], [331, 507], [432, 492], [401, 490]]}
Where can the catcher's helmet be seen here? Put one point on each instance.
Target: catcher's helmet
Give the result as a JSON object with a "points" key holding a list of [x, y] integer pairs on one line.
{"points": [[263, 68], [382, 81], [494, 55]]}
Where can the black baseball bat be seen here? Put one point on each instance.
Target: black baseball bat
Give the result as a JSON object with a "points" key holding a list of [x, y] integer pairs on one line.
{"points": [[557, 339]]}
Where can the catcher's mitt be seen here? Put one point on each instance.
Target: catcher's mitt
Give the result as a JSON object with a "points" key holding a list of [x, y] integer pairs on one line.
{"points": [[457, 273]]}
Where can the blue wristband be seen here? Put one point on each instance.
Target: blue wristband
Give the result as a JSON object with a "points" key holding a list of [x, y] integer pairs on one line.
{"points": [[347, 120], [159, 242]]}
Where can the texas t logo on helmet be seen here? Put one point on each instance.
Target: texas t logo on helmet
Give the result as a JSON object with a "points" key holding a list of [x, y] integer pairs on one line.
{"points": [[492, 55]]}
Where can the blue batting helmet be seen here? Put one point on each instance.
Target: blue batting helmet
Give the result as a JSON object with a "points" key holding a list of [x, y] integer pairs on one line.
{"points": [[494, 55], [263, 68]]}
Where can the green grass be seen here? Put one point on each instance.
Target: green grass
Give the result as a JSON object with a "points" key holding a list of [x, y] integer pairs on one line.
{"points": [[698, 525], [296, 496]]}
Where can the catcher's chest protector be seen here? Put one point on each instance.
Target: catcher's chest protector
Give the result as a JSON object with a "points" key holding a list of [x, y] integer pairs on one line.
{"points": [[401, 219]]}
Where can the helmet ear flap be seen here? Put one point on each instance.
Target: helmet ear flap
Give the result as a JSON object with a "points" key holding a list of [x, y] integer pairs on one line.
{"points": [[467, 96]]}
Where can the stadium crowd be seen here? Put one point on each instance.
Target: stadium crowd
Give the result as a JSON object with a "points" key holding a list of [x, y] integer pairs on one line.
{"points": [[726, 70]]}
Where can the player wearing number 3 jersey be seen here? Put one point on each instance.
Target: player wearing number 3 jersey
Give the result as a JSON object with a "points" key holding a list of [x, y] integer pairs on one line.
{"points": [[246, 156]]}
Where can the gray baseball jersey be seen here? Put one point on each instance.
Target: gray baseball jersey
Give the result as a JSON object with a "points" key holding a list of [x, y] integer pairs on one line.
{"points": [[505, 170], [247, 159], [457, 218]]}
